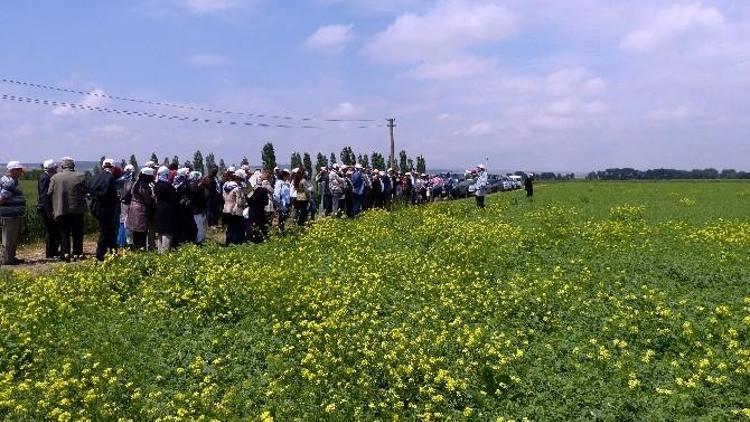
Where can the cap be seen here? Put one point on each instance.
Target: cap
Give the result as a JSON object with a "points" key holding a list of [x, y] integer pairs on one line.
{"points": [[50, 164], [240, 174], [108, 163], [358, 166], [162, 170], [14, 165], [231, 169], [129, 167], [324, 168], [148, 171], [183, 171]]}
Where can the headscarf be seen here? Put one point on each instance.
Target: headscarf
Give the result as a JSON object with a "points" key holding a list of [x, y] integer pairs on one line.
{"points": [[163, 174], [181, 176]]}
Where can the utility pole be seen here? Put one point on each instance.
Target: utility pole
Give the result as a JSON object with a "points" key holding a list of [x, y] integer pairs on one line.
{"points": [[392, 159]]}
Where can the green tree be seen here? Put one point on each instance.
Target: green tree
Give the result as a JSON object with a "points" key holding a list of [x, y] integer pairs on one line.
{"points": [[188, 164], [296, 161], [175, 160], [307, 163], [403, 161], [198, 162], [421, 164], [165, 163], [321, 161], [210, 162], [154, 158], [410, 164], [123, 163], [222, 166], [347, 156], [332, 160], [133, 161], [268, 157], [377, 160], [245, 162]]}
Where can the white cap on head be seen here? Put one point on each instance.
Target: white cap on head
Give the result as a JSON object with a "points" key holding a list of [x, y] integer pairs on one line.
{"points": [[295, 170], [240, 174], [231, 169], [148, 171], [162, 170], [129, 167], [358, 166], [50, 164], [150, 164], [14, 165], [323, 168], [108, 163], [183, 171]]}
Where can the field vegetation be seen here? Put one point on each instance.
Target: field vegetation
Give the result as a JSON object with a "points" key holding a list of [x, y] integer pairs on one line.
{"points": [[596, 301]]}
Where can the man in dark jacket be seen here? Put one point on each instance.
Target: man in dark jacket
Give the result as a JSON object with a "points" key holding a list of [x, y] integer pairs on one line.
{"points": [[44, 209], [104, 200], [68, 191], [529, 185]]}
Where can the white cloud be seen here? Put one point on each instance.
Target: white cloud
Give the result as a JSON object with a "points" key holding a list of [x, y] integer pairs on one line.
{"points": [[94, 100], [344, 110], [671, 23], [208, 60], [572, 105], [331, 38], [448, 28], [456, 68], [678, 113], [574, 81], [477, 129], [200, 7], [110, 130]]}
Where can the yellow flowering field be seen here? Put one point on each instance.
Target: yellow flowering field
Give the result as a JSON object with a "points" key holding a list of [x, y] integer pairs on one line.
{"points": [[595, 301]]}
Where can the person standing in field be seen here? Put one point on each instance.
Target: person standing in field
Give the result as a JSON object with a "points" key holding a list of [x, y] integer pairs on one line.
{"points": [[198, 192], [213, 197], [480, 185], [68, 191], [166, 210], [324, 191], [257, 203], [12, 210], [44, 209], [187, 230], [104, 207], [234, 208], [141, 208], [529, 185], [124, 184], [303, 192], [358, 189], [282, 198], [336, 186]]}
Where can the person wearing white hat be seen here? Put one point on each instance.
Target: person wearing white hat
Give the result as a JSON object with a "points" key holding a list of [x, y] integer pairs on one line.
{"points": [[44, 209], [12, 209], [124, 185], [235, 203], [480, 185], [336, 185], [67, 189], [140, 209], [104, 202], [167, 204], [187, 229], [358, 182]]}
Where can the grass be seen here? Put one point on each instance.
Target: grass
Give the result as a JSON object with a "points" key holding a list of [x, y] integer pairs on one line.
{"points": [[603, 301]]}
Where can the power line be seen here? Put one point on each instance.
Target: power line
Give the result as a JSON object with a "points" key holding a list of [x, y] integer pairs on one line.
{"points": [[132, 113], [180, 106]]}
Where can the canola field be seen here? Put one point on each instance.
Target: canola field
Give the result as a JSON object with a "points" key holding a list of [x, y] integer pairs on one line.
{"points": [[596, 301]]}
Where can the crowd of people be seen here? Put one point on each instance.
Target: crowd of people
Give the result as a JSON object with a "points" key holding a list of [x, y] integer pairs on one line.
{"points": [[158, 208]]}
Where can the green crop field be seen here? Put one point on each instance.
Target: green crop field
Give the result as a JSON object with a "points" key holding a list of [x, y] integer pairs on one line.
{"points": [[596, 301]]}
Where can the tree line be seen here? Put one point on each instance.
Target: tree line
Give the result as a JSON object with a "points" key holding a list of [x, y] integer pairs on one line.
{"points": [[670, 174], [347, 156]]}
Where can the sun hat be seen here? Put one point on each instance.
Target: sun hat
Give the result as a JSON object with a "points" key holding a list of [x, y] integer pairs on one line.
{"points": [[49, 164], [108, 163], [148, 171], [162, 170], [14, 165]]}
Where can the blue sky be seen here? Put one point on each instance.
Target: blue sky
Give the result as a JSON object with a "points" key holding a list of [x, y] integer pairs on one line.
{"points": [[538, 84]]}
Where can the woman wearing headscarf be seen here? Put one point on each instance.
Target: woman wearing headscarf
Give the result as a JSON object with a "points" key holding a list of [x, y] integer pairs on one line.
{"points": [[141, 207], [282, 198], [303, 192], [187, 231], [257, 203], [336, 186], [234, 207], [167, 204]]}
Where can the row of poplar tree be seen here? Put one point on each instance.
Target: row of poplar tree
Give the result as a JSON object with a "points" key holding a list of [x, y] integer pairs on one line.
{"points": [[268, 161]]}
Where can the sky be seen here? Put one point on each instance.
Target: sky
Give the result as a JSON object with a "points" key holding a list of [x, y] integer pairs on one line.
{"points": [[520, 84]]}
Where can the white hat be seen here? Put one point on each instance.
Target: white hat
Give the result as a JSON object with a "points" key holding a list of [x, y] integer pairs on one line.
{"points": [[481, 166], [335, 165], [358, 166], [14, 165], [295, 170], [323, 168], [150, 164], [162, 170], [183, 171], [108, 163], [240, 174], [50, 164], [231, 169], [148, 171], [382, 173], [129, 167]]}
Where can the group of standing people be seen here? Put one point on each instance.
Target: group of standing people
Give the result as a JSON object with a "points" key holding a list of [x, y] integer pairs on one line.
{"points": [[161, 207]]}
